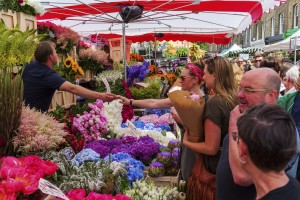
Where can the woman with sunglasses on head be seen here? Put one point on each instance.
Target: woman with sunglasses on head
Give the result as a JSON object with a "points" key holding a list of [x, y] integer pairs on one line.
{"points": [[191, 80], [266, 141], [219, 77]]}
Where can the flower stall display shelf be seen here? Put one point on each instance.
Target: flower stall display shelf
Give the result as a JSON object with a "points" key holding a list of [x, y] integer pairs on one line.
{"points": [[9, 18], [165, 180], [26, 21], [62, 98], [116, 49], [88, 75]]}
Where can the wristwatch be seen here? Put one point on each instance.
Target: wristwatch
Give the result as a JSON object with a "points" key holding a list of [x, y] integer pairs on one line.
{"points": [[130, 101]]}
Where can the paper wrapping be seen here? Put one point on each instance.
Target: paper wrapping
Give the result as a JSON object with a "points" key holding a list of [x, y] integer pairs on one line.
{"points": [[190, 112]]}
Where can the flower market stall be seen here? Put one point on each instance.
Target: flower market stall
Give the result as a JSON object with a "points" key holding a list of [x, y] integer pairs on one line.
{"points": [[90, 149]]}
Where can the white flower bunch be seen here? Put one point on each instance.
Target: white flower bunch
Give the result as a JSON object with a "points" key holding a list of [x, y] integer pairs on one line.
{"points": [[110, 75], [37, 6], [157, 136], [113, 113], [118, 168], [146, 190]]}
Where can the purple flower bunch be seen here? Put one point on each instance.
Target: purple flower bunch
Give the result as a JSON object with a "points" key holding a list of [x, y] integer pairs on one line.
{"points": [[143, 149], [101, 149], [137, 71], [156, 169], [93, 124], [174, 144]]}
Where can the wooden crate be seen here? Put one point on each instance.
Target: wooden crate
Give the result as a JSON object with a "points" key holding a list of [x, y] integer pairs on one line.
{"points": [[116, 49], [62, 98], [165, 180], [26, 21], [9, 18], [88, 75]]}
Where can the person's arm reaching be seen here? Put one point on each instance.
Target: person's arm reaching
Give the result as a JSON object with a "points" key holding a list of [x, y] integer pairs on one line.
{"points": [[147, 103], [81, 91], [240, 176]]}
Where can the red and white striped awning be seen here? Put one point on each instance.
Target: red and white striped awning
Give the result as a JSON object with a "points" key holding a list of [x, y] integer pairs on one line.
{"points": [[213, 21]]}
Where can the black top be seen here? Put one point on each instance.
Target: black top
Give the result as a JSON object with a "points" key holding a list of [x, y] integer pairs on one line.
{"points": [[225, 187], [40, 83], [290, 191]]}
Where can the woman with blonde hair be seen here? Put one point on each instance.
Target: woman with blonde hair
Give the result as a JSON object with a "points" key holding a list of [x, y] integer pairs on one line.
{"points": [[219, 77]]}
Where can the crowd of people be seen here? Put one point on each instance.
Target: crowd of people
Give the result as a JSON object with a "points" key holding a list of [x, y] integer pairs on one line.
{"points": [[250, 123]]}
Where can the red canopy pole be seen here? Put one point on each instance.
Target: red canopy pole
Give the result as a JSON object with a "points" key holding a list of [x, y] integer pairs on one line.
{"points": [[124, 50], [155, 50]]}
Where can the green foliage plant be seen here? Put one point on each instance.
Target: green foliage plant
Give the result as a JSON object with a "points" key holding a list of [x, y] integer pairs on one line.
{"points": [[17, 47], [11, 98], [151, 92], [182, 52]]}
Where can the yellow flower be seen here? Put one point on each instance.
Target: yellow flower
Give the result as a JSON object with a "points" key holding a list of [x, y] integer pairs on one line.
{"points": [[69, 62], [80, 70], [75, 67]]}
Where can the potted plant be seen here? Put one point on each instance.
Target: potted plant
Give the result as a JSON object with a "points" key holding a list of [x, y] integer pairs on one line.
{"points": [[182, 52]]}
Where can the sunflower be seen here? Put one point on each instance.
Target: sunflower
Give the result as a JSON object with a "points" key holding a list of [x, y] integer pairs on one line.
{"points": [[75, 67], [80, 70], [69, 62]]}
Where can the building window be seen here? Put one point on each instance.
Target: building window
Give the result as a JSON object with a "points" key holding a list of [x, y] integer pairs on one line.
{"points": [[295, 15], [272, 26], [246, 37], [262, 30], [257, 32], [250, 35], [281, 20]]}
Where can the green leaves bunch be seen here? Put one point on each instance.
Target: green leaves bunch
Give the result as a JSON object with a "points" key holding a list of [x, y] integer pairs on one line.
{"points": [[151, 92]]}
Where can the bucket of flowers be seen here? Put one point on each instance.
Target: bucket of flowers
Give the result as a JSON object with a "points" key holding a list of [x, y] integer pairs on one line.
{"points": [[69, 69]]}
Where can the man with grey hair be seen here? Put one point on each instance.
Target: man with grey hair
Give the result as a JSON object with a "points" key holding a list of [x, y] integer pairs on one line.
{"points": [[291, 78], [233, 183]]}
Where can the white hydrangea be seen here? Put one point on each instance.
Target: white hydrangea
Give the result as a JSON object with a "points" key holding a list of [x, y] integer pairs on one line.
{"points": [[147, 190], [113, 114]]}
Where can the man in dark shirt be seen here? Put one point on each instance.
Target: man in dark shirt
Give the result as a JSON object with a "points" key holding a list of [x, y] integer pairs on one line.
{"points": [[40, 81]]}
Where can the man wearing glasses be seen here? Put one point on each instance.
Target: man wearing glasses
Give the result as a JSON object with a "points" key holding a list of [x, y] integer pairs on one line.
{"points": [[259, 57], [233, 183]]}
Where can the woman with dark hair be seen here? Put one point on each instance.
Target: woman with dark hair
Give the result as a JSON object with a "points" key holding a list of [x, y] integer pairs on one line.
{"points": [[266, 142], [219, 77], [270, 62]]}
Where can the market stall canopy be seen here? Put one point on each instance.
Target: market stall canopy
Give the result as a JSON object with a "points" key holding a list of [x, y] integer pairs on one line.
{"points": [[234, 47], [286, 44], [248, 50], [207, 20]]}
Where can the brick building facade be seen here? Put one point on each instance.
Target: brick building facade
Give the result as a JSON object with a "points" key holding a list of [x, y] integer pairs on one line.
{"points": [[270, 28]]}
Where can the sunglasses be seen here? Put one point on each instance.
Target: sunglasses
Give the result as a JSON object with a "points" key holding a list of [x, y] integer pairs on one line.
{"points": [[182, 78]]}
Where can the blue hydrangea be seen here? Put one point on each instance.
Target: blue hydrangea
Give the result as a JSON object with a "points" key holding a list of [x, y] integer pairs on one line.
{"points": [[117, 157], [85, 155]]}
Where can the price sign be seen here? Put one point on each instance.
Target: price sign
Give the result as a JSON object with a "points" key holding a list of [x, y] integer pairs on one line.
{"points": [[132, 127]]}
